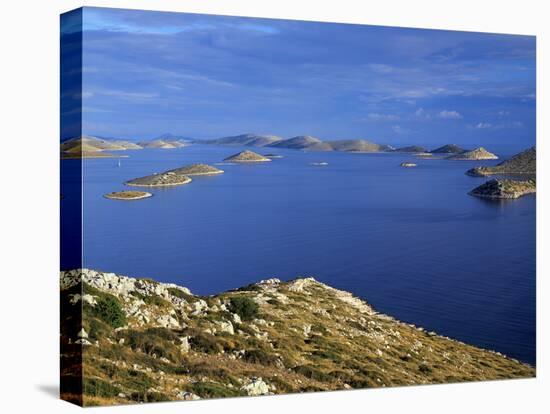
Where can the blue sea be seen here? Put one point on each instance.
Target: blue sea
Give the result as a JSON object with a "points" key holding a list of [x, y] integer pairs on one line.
{"points": [[411, 242]]}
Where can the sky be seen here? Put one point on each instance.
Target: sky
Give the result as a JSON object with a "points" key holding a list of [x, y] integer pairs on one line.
{"points": [[148, 73]]}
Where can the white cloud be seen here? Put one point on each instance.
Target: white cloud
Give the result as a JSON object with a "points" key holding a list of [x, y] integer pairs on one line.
{"points": [[445, 114], [382, 117], [484, 125]]}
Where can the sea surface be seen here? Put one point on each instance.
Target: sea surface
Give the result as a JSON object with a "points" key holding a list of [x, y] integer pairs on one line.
{"points": [[411, 242]]}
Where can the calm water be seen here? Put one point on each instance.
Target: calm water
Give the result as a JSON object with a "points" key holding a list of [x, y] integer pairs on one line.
{"points": [[409, 241]]}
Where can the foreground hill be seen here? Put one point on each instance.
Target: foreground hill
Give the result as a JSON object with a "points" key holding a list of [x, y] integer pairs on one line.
{"points": [[503, 189], [142, 341], [523, 163], [250, 140], [448, 149], [475, 154]]}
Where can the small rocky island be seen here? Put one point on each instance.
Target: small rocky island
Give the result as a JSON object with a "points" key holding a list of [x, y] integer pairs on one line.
{"points": [[247, 156], [504, 189], [408, 165], [164, 179], [128, 195], [139, 340], [524, 163], [475, 154], [197, 169]]}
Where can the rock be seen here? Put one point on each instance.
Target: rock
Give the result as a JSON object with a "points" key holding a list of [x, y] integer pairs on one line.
{"points": [[236, 318], [82, 334], [167, 321], [82, 341], [256, 386], [187, 396], [408, 164], [225, 326], [184, 344], [298, 285]]}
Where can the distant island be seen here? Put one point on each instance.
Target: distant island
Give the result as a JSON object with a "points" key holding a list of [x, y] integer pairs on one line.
{"points": [[128, 195], [247, 156], [408, 164], [412, 149], [475, 154], [448, 149], [163, 144], [523, 163], [140, 340], [249, 140], [504, 189]]}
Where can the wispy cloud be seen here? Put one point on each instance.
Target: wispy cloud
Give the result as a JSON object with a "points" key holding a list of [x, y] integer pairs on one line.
{"points": [[446, 114]]}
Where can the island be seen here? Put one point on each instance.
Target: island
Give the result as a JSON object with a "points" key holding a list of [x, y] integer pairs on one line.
{"points": [[448, 149], [408, 164], [128, 195], [319, 164], [164, 143], [140, 340], [504, 189], [475, 154], [524, 163], [247, 156], [197, 169], [412, 149], [164, 179]]}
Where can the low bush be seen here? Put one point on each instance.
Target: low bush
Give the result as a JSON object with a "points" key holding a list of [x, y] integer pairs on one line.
{"points": [[107, 309], [98, 388], [245, 307]]}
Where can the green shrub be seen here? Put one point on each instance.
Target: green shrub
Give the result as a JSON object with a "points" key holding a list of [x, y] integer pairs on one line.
{"points": [[313, 373], [99, 388], [245, 307], [259, 356], [156, 300], [153, 341], [213, 390], [181, 294], [108, 309], [205, 342]]}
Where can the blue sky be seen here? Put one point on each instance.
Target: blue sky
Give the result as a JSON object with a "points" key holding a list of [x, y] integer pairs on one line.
{"points": [[146, 73]]}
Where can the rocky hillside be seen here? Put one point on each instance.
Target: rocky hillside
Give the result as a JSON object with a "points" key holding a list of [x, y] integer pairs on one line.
{"points": [[502, 189], [523, 163], [142, 341], [93, 147], [475, 154], [305, 142]]}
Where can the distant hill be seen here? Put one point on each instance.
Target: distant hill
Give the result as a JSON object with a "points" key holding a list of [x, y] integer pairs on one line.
{"points": [[412, 149], [88, 146], [249, 140], [476, 154], [171, 137], [303, 142], [523, 163], [163, 143], [247, 156], [448, 149], [357, 145]]}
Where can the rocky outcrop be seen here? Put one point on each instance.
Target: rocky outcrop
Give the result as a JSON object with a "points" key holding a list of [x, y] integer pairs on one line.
{"points": [[504, 189], [247, 156], [476, 154], [140, 340], [524, 163]]}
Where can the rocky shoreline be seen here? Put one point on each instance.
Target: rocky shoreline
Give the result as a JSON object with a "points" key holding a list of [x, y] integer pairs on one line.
{"points": [[140, 340]]}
